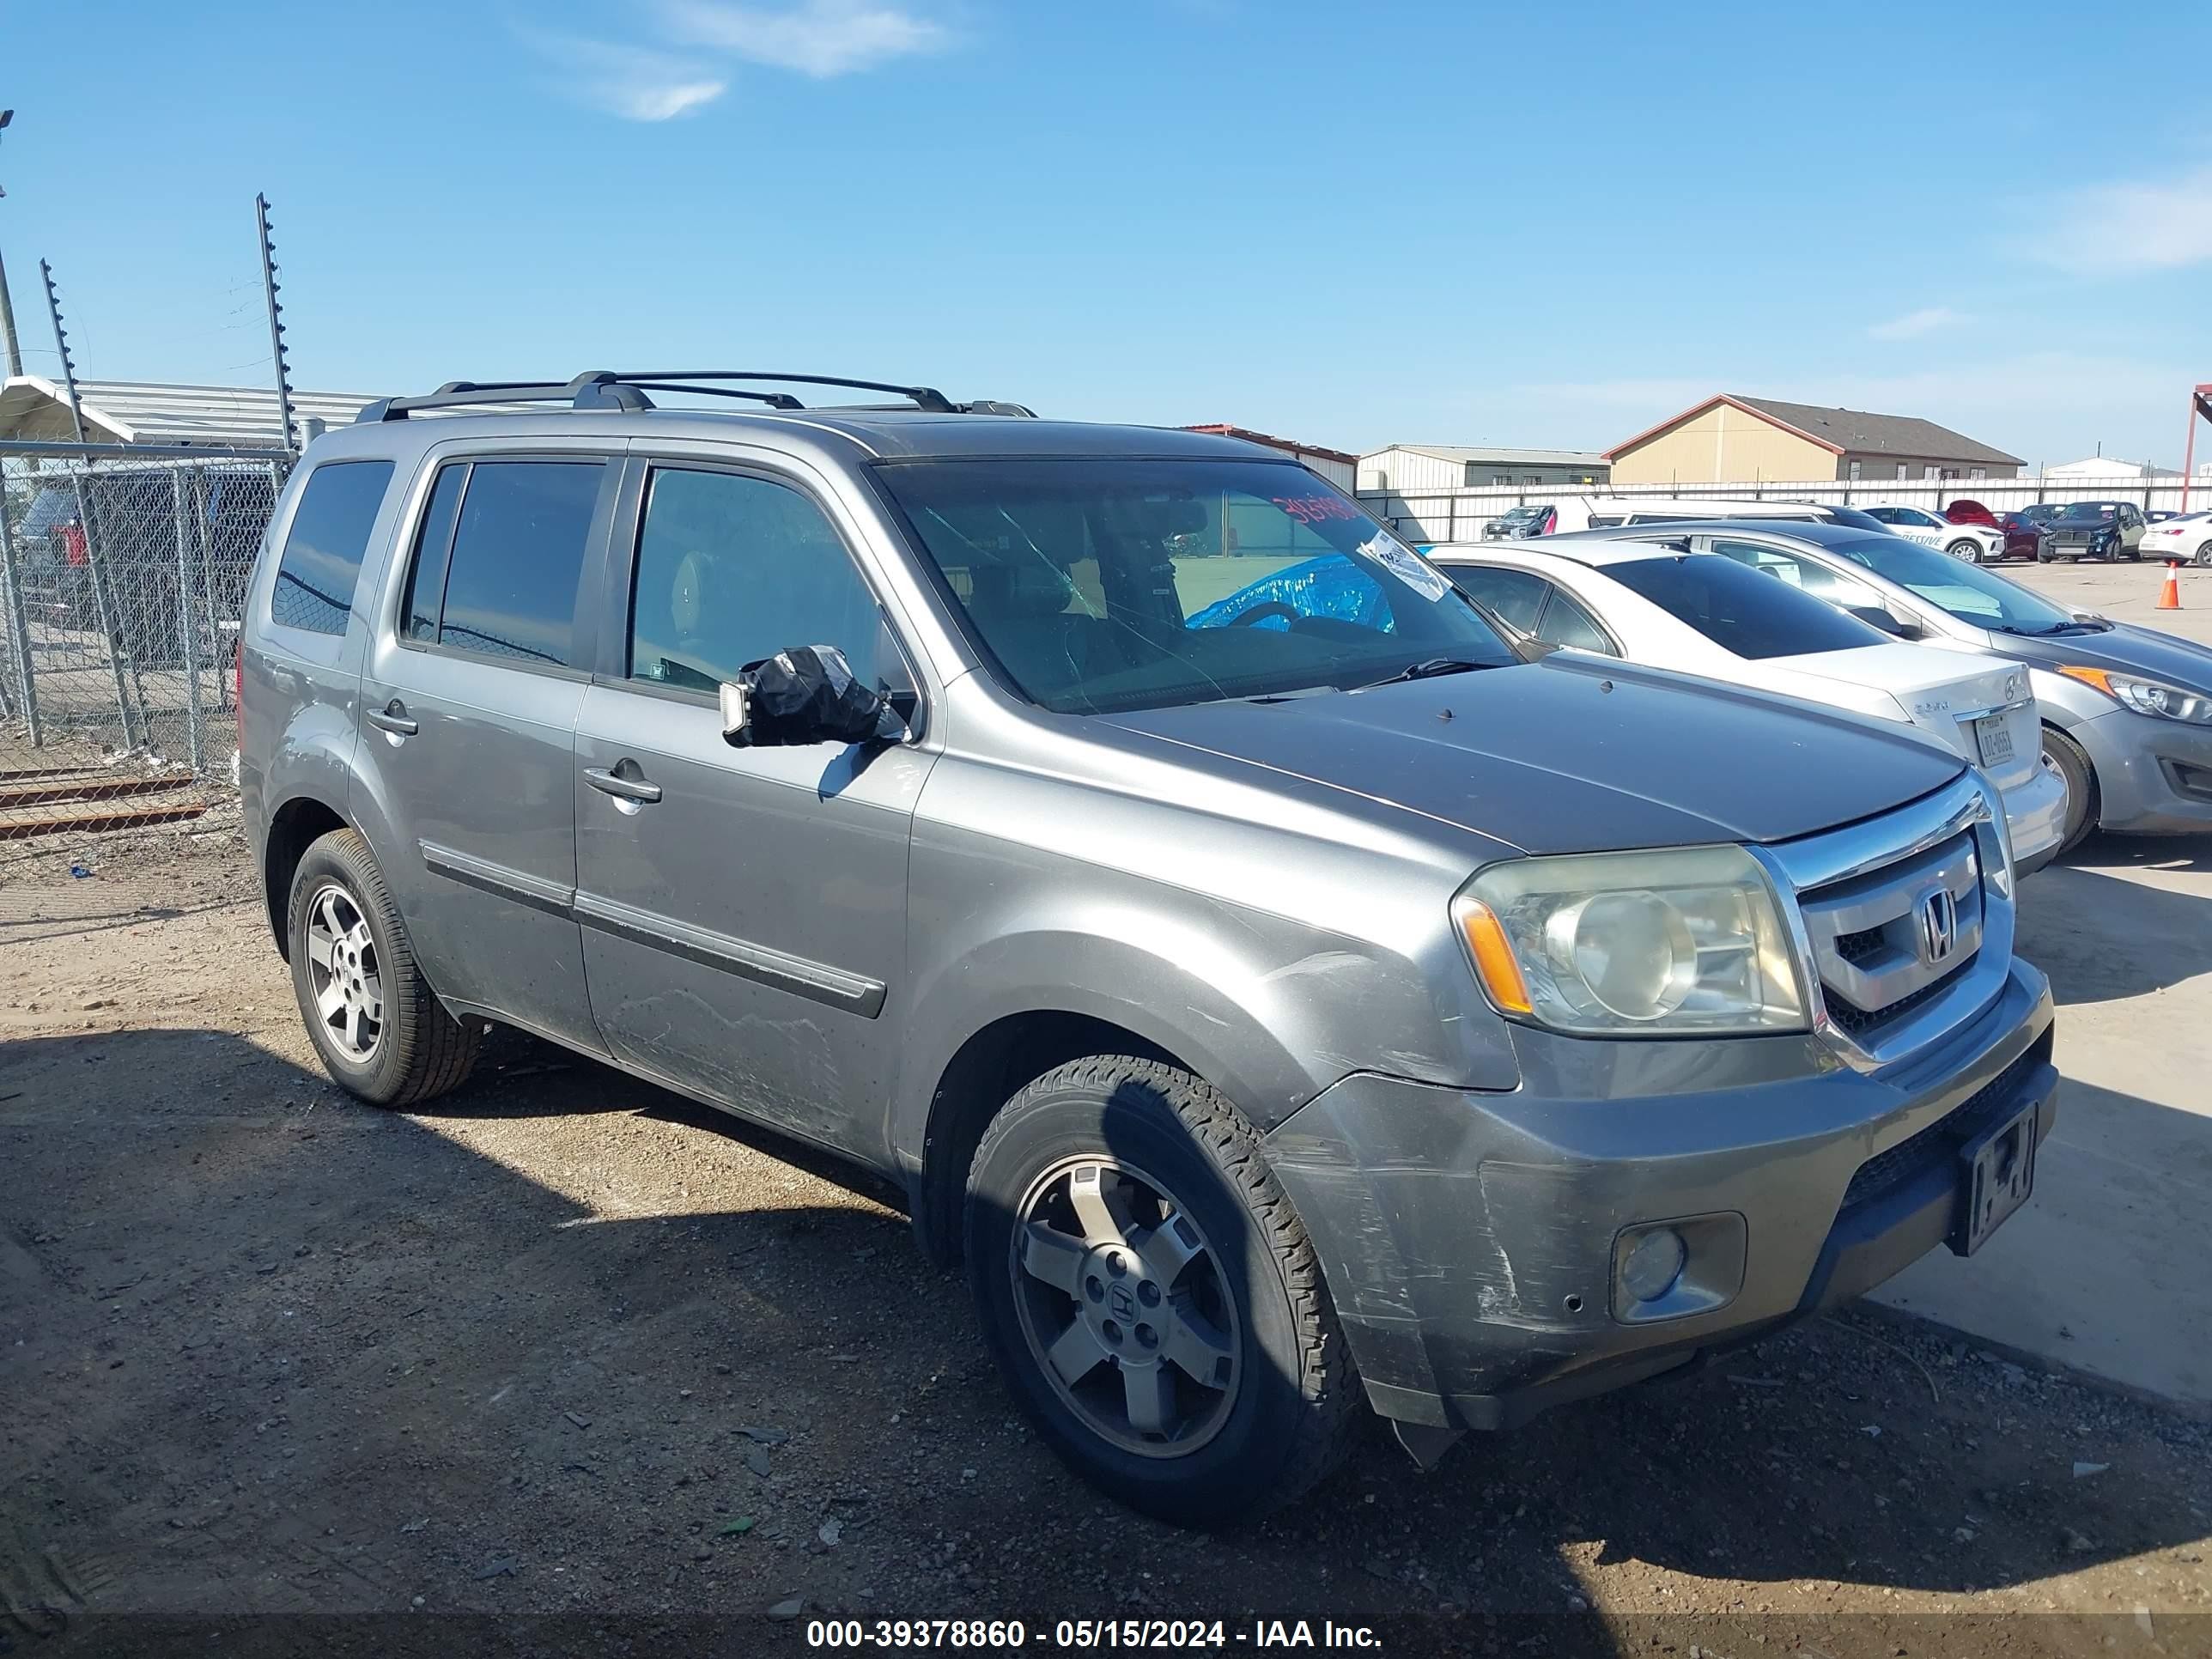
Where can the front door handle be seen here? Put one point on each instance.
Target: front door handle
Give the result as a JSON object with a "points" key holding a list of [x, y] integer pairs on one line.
{"points": [[622, 788], [393, 718]]}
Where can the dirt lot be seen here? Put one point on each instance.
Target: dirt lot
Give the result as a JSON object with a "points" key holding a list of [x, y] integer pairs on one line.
{"points": [[614, 1374]]}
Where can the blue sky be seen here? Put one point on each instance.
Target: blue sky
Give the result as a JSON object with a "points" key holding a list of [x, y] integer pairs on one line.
{"points": [[1441, 223]]}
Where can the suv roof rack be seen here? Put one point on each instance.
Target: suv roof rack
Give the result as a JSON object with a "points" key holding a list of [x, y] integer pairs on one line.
{"points": [[605, 389]]}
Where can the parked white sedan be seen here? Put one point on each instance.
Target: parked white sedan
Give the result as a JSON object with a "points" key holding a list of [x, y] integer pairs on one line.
{"points": [[1974, 543], [2187, 540], [1703, 614]]}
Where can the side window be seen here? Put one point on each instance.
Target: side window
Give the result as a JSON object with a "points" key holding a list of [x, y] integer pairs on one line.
{"points": [[1565, 623], [434, 543], [1515, 595], [1817, 579], [733, 569], [322, 551], [1886, 515], [518, 555]]}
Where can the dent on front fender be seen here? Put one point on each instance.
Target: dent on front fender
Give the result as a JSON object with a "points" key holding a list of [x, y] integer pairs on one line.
{"points": [[1270, 957], [1264, 1012]]}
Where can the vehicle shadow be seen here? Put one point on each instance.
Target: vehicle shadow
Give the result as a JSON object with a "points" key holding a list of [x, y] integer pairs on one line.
{"points": [[2103, 937], [549, 1345], [2190, 853], [519, 1076]]}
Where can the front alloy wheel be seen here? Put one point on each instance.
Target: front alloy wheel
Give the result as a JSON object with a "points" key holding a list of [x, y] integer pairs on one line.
{"points": [[1121, 1300], [1151, 1295], [1970, 551]]}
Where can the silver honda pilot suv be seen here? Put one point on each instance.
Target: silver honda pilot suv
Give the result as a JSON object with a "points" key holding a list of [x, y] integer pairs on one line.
{"points": [[1275, 990]]}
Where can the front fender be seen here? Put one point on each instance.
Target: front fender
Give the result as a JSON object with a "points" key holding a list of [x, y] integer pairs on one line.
{"points": [[1269, 1018], [2064, 701]]}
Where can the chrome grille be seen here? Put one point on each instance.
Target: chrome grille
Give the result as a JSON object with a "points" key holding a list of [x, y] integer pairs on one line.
{"points": [[1904, 921], [1872, 935]]}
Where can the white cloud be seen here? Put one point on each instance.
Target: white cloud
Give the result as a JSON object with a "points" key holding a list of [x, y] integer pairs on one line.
{"points": [[820, 38], [1914, 324], [2119, 229], [635, 83]]}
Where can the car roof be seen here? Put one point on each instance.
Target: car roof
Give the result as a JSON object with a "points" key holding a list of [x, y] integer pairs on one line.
{"points": [[851, 434], [1595, 550], [1815, 531]]}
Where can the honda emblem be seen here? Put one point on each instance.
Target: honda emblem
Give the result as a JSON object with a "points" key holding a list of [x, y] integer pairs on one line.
{"points": [[1939, 925]]}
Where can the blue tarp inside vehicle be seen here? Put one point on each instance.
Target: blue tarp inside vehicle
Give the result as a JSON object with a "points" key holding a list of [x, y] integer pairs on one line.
{"points": [[1331, 585]]}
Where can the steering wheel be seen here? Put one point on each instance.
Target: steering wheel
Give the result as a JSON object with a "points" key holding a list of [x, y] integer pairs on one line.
{"points": [[1261, 612]]}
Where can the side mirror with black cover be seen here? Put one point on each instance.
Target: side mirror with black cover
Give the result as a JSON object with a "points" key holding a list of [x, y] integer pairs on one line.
{"points": [[807, 694]]}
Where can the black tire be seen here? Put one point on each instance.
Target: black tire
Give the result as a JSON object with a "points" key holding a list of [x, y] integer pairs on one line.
{"points": [[420, 1050], [2203, 558], [1963, 549], [2073, 764], [1289, 1420]]}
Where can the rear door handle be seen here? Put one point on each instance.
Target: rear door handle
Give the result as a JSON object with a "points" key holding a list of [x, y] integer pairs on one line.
{"points": [[393, 718], [622, 788]]}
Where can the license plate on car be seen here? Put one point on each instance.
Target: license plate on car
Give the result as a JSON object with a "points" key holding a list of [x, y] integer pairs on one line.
{"points": [[1993, 737], [1996, 1173]]}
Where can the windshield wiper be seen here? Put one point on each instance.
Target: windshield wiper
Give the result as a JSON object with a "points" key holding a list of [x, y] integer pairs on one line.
{"points": [[1428, 668], [2046, 633]]}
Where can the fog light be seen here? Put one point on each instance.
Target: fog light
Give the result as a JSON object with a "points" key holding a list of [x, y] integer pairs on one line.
{"points": [[1653, 1264]]}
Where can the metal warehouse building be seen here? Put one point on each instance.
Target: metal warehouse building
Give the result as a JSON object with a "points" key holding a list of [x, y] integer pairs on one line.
{"points": [[1404, 469]]}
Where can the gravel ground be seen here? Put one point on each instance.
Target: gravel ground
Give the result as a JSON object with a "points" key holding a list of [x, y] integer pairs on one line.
{"points": [[568, 1364]]}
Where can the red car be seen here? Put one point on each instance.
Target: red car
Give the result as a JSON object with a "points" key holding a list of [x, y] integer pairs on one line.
{"points": [[2023, 537]]}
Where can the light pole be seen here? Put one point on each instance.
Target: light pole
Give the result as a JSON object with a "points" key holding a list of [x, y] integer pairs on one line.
{"points": [[6, 306]]}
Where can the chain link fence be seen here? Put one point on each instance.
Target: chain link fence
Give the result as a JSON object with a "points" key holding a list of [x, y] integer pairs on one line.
{"points": [[122, 573]]}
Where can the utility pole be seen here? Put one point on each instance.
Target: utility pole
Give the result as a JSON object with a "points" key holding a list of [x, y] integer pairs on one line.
{"points": [[275, 326], [7, 306]]}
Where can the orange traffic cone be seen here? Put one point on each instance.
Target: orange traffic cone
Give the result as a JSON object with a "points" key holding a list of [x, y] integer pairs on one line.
{"points": [[2171, 599]]}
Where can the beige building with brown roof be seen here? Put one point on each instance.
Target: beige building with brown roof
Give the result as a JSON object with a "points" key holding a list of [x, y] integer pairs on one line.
{"points": [[1729, 439]]}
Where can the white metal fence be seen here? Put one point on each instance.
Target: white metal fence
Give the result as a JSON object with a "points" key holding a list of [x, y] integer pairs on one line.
{"points": [[1459, 514]]}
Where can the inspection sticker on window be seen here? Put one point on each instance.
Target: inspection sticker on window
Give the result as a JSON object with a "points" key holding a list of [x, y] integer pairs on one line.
{"points": [[1406, 565]]}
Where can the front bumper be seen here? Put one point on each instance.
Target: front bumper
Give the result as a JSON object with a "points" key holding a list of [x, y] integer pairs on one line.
{"points": [[2153, 776], [1468, 1238]]}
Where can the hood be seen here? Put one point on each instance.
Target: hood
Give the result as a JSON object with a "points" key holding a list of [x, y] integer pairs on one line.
{"points": [[2125, 649], [1575, 754]]}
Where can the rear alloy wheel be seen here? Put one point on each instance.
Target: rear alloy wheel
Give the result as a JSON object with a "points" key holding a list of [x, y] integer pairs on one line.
{"points": [[343, 975], [2203, 559], [2073, 764], [1151, 1296], [1969, 550], [379, 1029]]}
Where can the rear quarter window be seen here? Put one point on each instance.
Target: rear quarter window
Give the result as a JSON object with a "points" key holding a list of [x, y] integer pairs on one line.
{"points": [[320, 566]]}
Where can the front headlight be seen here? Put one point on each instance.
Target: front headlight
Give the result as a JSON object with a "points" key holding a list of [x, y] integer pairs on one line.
{"points": [[1688, 941], [2146, 696]]}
